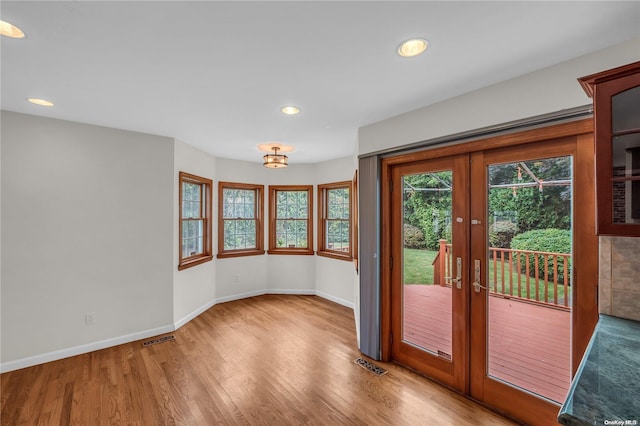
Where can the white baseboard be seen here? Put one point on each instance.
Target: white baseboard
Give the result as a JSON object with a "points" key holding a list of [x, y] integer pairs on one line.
{"points": [[262, 292], [300, 292], [82, 349], [193, 314], [337, 300], [95, 346], [240, 296]]}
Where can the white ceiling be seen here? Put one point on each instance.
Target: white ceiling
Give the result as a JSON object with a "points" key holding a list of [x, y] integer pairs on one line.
{"points": [[215, 74]]}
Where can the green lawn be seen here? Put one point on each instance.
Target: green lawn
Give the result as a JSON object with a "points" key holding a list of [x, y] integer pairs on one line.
{"points": [[417, 266], [418, 270]]}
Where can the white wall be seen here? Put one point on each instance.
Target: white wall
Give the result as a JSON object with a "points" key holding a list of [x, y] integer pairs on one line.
{"points": [[87, 221], [0, 244], [193, 288], [89, 224], [240, 276], [335, 279], [548, 90], [251, 275]]}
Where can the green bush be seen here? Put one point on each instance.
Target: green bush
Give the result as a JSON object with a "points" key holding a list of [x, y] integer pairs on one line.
{"points": [[501, 234], [548, 240], [435, 227], [413, 237]]}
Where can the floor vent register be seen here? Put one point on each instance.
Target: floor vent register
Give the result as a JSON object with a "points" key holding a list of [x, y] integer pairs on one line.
{"points": [[378, 371], [159, 340]]}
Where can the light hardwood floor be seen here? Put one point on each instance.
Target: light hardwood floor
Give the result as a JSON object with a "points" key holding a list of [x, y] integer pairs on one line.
{"points": [[272, 360]]}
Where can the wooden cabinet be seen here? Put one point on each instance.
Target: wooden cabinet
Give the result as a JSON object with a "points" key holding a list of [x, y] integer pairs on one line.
{"points": [[616, 106]]}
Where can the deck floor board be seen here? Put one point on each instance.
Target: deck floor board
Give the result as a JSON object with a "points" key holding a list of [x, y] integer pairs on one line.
{"points": [[529, 344]]}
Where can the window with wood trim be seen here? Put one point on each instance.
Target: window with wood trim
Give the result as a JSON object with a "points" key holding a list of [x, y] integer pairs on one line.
{"points": [[335, 220], [240, 219], [354, 219], [195, 220], [290, 219]]}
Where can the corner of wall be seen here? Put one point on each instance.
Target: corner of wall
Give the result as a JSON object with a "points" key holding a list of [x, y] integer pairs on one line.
{"points": [[194, 288]]}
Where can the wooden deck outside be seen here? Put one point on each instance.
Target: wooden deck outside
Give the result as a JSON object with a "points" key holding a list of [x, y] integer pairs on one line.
{"points": [[529, 345]]}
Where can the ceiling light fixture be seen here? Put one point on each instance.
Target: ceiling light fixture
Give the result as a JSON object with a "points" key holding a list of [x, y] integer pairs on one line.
{"points": [[7, 29], [41, 102], [412, 47], [290, 110], [275, 160]]}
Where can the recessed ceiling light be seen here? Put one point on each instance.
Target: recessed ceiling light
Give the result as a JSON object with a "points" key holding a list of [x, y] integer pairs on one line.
{"points": [[41, 102], [9, 30], [412, 47], [290, 109]]}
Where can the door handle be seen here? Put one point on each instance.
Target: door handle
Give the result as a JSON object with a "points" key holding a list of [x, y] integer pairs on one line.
{"points": [[476, 282], [458, 278]]}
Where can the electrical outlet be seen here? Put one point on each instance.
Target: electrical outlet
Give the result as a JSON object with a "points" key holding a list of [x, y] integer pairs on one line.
{"points": [[237, 278], [90, 318]]}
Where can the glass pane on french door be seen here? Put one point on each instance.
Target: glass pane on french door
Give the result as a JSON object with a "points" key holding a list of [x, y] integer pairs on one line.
{"points": [[427, 267], [528, 275]]}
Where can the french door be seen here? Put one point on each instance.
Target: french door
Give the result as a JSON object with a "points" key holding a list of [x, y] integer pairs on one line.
{"points": [[492, 314], [432, 340]]}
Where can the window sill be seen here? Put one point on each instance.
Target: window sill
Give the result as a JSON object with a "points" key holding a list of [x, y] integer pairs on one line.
{"points": [[240, 253], [335, 255], [193, 262], [304, 252]]}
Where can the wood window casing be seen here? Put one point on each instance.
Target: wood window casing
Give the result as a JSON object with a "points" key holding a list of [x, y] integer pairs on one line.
{"points": [[252, 212], [278, 218], [194, 209], [331, 214], [354, 221]]}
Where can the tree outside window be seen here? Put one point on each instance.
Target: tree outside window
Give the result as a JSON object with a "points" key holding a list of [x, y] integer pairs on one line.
{"points": [[194, 221], [240, 223], [290, 219], [335, 220]]}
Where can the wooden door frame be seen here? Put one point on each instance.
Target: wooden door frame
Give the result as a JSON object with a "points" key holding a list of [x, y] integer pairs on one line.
{"points": [[585, 315], [529, 408], [451, 373]]}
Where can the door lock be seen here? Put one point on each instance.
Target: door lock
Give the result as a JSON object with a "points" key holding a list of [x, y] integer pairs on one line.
{"points": [[476, 282], [458, 278]]}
